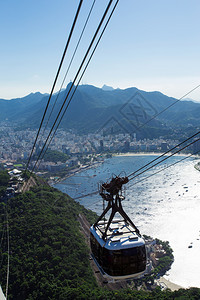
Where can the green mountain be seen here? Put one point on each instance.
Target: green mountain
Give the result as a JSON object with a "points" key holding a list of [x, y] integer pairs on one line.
{"points": [[16, 109], [110, 110], [48, 255]]}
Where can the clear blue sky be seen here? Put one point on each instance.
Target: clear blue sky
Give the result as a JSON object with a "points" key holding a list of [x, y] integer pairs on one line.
{"points": [[149, 44]]}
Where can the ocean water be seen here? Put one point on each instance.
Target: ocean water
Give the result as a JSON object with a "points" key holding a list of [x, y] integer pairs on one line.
{"points": [[165, 205]]}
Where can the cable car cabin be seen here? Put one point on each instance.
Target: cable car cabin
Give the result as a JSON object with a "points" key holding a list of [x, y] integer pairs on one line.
{"points": [[122, 254], [117, 246]]}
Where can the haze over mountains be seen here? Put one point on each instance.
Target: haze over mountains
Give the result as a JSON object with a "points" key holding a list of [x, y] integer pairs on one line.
{"points": [[94, 109]]}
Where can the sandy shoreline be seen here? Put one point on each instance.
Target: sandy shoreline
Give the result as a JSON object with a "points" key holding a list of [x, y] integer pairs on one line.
{"points": [[165, 283], [150, 154], [137, 154]]}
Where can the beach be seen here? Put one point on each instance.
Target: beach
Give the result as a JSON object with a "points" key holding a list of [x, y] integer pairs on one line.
{"points": [[151, 154], [166, 284]]}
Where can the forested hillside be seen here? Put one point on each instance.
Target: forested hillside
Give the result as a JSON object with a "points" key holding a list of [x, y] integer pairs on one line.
{"points": [[48, 255], [92, 109]]}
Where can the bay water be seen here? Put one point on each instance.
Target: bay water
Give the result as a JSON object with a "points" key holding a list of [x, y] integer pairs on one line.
{"points": [[165, 205]]}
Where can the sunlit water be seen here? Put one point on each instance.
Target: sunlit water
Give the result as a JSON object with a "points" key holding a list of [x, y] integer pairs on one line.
{"points": [[166, 206]]}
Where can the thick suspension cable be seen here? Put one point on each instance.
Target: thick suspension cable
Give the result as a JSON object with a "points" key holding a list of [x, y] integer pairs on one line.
{"points": [[58, 72], [72, 85], [57, 96], [145, 178], [78, 82], [172, 154], [168, 151]]}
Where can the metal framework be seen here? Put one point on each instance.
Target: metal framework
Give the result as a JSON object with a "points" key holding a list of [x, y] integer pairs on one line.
{"points": [[112, 193]]}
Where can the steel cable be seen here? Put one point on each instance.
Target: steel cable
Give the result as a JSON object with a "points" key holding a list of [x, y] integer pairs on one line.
{"points": [[69, 65], [72, 85], [59, 68], [79, 80]]}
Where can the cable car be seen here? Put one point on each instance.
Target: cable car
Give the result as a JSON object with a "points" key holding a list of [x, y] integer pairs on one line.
{"points": [[117, 246]]}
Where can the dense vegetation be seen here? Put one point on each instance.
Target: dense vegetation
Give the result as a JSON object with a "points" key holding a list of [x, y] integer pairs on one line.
{"points": [[48, 255], [165, 261], [4, 179], [1, 167], [55, 156]]}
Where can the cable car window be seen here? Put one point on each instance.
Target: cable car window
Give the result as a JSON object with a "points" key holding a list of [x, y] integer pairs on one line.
{"points": [[141, 252]]}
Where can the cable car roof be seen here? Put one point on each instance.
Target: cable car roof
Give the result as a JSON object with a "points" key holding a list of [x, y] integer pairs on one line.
{"points": [[120, 235]]}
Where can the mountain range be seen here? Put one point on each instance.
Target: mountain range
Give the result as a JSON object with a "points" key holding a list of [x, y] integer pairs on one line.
{"points": [[106, 109]]}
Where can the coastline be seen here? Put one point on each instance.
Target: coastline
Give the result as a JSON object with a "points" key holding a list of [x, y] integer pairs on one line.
{"points": [[126, 154], [150, 154], [137, 154], [75, 171], [166, 284]]}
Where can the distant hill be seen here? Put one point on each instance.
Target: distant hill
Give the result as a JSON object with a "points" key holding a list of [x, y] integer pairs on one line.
{"points": [[107, 88], [18, 109], [112, 110]]}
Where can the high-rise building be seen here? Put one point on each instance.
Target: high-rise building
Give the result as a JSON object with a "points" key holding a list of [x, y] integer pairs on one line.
{"points": [[196, 147], [101, 146]]}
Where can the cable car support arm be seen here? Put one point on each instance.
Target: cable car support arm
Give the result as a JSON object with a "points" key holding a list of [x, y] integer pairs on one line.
{"points": [[111, 193]]}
